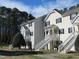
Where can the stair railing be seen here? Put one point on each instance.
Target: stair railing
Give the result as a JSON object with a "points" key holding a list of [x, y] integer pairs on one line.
{"points": [[75, 19], [45, 41], [61, 46]]}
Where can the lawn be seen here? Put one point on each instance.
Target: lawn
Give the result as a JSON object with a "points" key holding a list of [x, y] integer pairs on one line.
{"points": [[43, 56], [17, 54], [68, 56], [21, 57]]}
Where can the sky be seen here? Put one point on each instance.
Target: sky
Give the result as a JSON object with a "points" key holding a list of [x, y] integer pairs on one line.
{"points": [[38, 7]]}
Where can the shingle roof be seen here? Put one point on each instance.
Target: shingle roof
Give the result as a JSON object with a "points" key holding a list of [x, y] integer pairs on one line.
{"points": [[59, 11], [39, 18], [72, 11], [25, 27]]}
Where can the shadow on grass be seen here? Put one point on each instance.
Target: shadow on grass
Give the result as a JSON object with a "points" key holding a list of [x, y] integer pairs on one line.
{"points": [[18, 53]]}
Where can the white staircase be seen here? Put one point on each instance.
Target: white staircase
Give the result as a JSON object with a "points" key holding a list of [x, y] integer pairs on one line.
{"points": [[75, 19], [44, 42], [68, 44]]}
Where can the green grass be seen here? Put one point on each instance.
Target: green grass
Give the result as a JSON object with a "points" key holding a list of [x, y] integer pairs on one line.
{"points": [[3, 46], [36, 57], [22, 57], [68, 56], [65, 56]]}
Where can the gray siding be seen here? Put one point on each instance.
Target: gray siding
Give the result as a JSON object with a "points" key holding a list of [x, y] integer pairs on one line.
{"points": [[39, 31]]}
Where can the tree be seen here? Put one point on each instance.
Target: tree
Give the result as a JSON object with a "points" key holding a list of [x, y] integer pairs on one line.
{"points": [[65, 9], [77, 5], [30, 17], [71, 7], [10, 20], [18, 40]]}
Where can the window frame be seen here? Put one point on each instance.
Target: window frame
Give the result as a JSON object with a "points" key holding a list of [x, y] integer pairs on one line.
{"points": [[31, 33], [70, 30], [47, 32], [58, 20], [47, 23], [30, 24], [51, 32], [61, 31]]}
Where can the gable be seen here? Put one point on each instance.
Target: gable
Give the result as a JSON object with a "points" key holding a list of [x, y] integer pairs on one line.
{"points": [[53, 13], [53, 16]]}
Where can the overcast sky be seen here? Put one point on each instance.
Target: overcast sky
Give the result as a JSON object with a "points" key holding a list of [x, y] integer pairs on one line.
{"points": [[38, 7]]}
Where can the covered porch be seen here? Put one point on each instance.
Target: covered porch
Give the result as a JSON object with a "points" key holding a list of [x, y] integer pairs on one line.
{"points": [[50, 31]]}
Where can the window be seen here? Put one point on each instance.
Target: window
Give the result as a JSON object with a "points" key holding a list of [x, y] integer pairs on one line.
{"points": [[31, 33], [58, 20], [50, 32], [45, 24], [30, 24], [46, 32], [48, 23], [61, 31], [72, 16], [70, 30]]}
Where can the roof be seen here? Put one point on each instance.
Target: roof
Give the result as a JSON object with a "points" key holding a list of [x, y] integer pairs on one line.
{"points": [[39, 18], [23, 24], [59, 11], [25, 27], [71, 11]]}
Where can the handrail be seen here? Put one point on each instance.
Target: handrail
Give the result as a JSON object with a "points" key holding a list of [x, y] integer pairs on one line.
{"points": [[72, 40], [41, 42], [44, 42], [65, 41], [75, 18]]}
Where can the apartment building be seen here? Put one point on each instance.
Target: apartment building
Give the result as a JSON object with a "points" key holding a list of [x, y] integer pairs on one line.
{"points": [[53, 27], [68, 28], [33, 30]]}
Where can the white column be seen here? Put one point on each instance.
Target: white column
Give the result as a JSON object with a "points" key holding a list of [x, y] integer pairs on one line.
{"points": [[48, 46]]}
